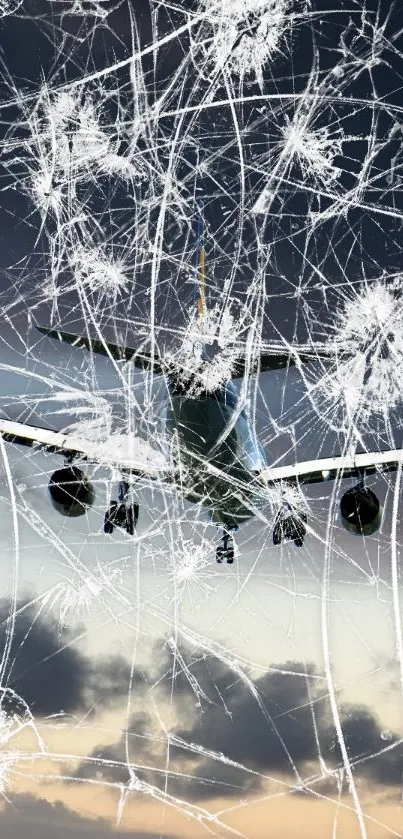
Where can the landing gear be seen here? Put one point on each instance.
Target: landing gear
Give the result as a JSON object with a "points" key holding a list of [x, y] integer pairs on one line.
{"points": [[132, 514], [110, 518], [291, 527], [123, 513], [226, 549]]}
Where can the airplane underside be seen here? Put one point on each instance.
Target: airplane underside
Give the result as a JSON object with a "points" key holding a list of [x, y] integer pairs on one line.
{"points": [[217, 464], [223, 508]]}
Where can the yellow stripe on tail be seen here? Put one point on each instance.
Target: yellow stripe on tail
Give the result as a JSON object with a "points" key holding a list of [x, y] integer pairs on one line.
{"points": [[201, 301]]}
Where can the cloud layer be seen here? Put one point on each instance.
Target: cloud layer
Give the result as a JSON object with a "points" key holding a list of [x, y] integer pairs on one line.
{"points": [[238, 732], [50, 674], [235, 731], [36, 818]]}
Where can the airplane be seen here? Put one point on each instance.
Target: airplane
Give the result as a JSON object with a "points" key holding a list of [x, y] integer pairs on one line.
{"points": [[220, 464]]}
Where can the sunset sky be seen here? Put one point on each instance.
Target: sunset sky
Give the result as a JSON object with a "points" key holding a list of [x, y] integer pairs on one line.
{"points": [[234, 662]]}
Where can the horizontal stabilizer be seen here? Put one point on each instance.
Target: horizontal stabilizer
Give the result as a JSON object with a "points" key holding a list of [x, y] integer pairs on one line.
{"points": [[267, 361], [140, 359], [262, 364]]}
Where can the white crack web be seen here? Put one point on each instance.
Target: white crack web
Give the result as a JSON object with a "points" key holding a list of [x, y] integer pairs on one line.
{"points": [[188, 698]]}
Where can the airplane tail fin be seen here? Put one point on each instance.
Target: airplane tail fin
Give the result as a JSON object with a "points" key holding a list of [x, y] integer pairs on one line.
{"points": [[273, 358], [200, 276]]}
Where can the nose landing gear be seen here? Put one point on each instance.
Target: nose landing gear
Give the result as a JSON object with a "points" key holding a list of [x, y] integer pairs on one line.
{"points": [[226, 549]]}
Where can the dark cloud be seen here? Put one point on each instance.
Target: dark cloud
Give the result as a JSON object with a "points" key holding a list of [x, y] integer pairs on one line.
{"points": [[36, 818], [288, 740], [261, 725], [264, 724], [194, 673], [110, 679], [375, 754], [50, 674], [269, 724], [209, 779], [237, 731], [110, 762], [213, 779]]}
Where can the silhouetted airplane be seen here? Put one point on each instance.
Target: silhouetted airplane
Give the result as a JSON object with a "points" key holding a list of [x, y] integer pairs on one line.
{"points": [[220, 463]]}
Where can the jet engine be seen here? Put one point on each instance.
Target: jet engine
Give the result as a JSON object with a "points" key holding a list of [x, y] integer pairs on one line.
{"points": [[70, 491], [360, 511]]}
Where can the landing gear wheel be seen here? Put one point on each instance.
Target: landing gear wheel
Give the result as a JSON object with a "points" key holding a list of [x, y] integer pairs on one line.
{"points": [[300, 530], [110, 518], [278, 533], [226, 549], [225, 553], [108, 526], [132, 515], [220, 553]]}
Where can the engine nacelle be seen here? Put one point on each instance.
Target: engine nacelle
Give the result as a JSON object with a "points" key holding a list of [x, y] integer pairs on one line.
{"points": [[70, 491], [360, 511]]}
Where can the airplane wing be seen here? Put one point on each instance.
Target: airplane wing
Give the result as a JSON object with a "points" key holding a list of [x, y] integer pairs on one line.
{"points": [[272, 359], [125, 453], [140, 359], [331, 468]]}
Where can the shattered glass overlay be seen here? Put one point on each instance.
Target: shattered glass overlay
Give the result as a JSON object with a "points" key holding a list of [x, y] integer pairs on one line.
{"points": [[246, 34], [9, 7], [367, 356], [141, 681]]}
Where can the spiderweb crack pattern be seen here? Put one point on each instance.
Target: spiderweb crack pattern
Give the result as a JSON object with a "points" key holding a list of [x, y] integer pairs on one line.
{"points": [[217, 689]]}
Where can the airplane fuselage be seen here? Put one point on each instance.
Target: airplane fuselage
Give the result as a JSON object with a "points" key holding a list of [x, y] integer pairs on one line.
{"points": [[219, 452]]}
